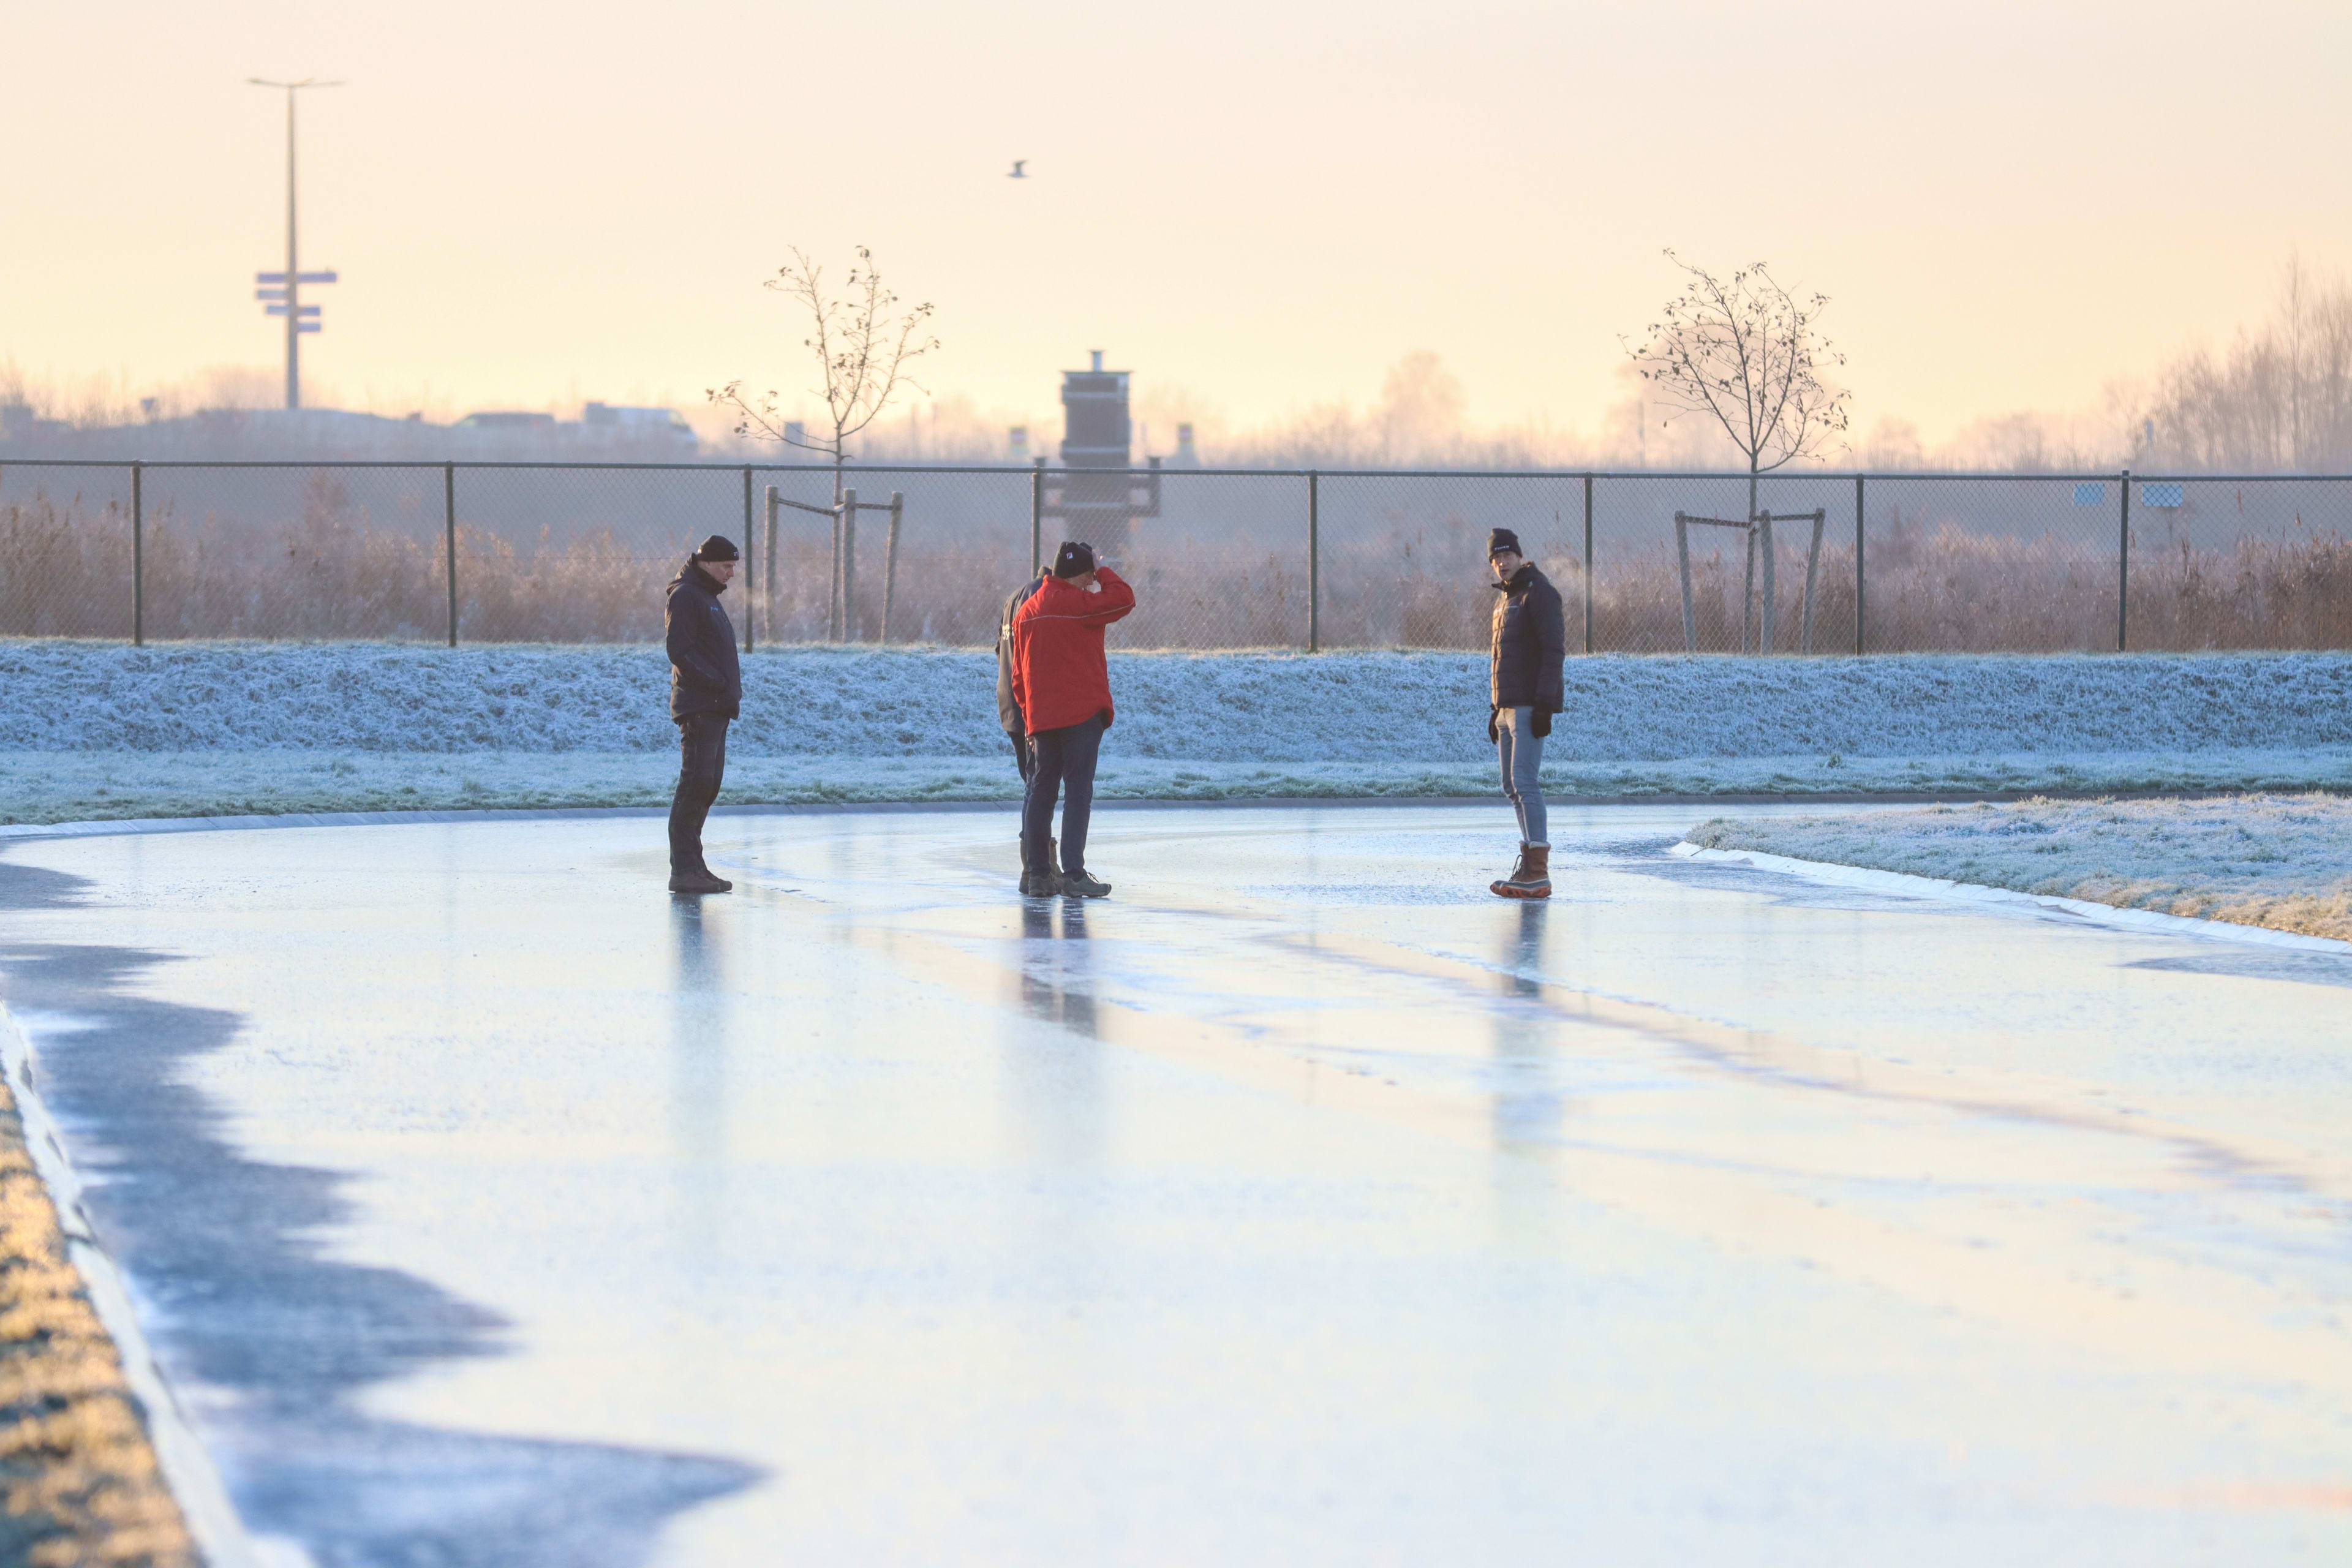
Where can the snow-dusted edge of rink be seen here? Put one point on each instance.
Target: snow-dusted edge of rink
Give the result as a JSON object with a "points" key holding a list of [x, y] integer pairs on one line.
{"points": [[1904, 882], [188, 1470]]}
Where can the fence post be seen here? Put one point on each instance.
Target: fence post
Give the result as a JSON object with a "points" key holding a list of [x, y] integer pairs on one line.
{"points": [[849, 566], [1747, 593], [1314, 560], [890, 563], [1690, 618], [1588, 563], [137, 559], [767, 597], [1860, 579], [750, 559], [1812, 568], [834, 584], [2123, 569], [1037, 516], [449, 539]]}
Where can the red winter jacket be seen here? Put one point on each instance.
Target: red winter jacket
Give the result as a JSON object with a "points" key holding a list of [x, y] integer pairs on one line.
{"points": [[1059, 675]]}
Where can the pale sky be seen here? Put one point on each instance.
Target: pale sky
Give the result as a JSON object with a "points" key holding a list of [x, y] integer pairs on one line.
{"points": [[1266, 204]]}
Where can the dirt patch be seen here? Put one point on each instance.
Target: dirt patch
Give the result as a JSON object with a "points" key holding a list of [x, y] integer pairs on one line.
{"points": [[78, 1481]]}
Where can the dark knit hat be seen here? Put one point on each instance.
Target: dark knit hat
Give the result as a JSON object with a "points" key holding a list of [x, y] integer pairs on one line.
{"points": [[717, 547], [1501, 539], [1074, 559]]}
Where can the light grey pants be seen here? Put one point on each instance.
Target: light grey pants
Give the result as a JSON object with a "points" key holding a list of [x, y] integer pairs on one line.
{"points": [[1521, 751]]}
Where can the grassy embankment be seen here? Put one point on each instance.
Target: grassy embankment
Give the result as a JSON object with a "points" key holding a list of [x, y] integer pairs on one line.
{"points": [[2279, 861]]}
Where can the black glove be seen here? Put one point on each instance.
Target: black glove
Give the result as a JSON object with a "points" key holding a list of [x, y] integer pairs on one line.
{"points": [[1492, 738], [1543, 723]]}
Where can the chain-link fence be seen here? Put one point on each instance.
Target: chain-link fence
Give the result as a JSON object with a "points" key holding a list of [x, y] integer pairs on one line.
{"points": [[1220, 559]]}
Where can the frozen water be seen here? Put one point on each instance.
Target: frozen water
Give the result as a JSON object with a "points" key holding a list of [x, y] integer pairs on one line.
{"points": [[1300, 1204]]}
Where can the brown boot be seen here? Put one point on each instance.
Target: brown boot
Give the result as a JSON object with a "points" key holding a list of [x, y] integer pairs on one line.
{"points": [[1530, 878], [1041, 882]]}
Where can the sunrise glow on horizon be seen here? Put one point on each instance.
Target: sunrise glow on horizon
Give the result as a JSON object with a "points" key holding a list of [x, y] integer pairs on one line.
{"points": [[1257, 209]]}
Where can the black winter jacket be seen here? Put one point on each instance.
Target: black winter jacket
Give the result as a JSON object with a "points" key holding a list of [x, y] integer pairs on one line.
{"points": [[1008, 712], [704, 674], [1530, 640]]}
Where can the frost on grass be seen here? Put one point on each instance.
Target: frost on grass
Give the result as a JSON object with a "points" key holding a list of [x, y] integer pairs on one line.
{"points": [[2278, 860], [85, 786], [103, 730], [1336, 708]]}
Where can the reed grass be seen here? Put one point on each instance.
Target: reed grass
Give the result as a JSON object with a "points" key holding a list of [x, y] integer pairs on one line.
{"points": [[332, 571]]}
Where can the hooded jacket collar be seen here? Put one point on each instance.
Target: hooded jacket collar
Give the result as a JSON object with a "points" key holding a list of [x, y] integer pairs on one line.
{"points": [[1517, 582], [692, 576]]}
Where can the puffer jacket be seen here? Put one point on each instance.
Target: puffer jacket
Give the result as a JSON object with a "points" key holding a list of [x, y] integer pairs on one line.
{"points": [[1528, 645], [1008, 712], [1060, 676], [704, 676]]}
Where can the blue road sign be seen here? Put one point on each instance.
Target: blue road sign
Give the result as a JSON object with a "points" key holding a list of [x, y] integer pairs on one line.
{"points": [[2090, 492]]}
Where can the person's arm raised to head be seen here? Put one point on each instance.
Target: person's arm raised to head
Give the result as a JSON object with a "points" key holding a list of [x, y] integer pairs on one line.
{"points": [[1116, 600]]}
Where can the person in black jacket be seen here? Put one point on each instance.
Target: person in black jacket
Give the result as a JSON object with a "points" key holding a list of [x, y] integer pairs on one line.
{"points": [[1525, 655], [1008, 707], [706, 690]]}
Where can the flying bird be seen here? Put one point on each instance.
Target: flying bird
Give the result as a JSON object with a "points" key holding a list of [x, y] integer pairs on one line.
{"points": [[1020, 169]]}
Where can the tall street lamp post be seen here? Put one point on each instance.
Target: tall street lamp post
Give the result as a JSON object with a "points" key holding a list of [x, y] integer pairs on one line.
{"points": [[282, 292]]}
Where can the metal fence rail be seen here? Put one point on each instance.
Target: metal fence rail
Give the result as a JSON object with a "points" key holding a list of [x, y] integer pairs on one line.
{"points": [[1647, 562]]}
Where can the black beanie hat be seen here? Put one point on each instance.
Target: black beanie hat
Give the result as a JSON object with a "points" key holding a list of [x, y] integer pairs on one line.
{"points": [[717, 547], [1074, 560], [1502, 539]]}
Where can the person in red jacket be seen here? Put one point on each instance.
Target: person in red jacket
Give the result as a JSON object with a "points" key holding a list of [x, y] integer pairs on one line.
{"points": [[1061, 683]]}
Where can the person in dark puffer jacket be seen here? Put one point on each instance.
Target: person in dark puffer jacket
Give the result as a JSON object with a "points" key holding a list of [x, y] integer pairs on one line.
{"points": [[1008, 707], [705, 691], [1525, 675]]}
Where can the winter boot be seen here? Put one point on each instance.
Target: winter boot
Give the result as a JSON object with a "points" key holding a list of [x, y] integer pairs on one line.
{"points": [[700, 882], [1035, 884], [1530, 878], [1084, 885]]}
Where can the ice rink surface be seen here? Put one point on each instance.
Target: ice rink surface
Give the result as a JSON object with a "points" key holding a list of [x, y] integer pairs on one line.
{"points": [[1299, 1204]]}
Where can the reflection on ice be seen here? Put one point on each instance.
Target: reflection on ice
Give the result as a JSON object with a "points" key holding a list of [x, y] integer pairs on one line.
{"points": [[1299, 1204]]}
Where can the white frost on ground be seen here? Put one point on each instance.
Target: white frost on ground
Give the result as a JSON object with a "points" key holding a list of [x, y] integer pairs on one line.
{"points": [[206, 728], [76, 786], [2281, 861]]}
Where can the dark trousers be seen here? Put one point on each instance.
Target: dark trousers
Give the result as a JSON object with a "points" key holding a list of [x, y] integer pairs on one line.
{"points": [[1064, 765], [701, 765], [1022, 758]]}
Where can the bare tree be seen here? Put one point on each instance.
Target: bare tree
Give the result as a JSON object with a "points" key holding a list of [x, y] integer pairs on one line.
{"points": [[863, 343], [2278, 399], [1744, 351]]}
